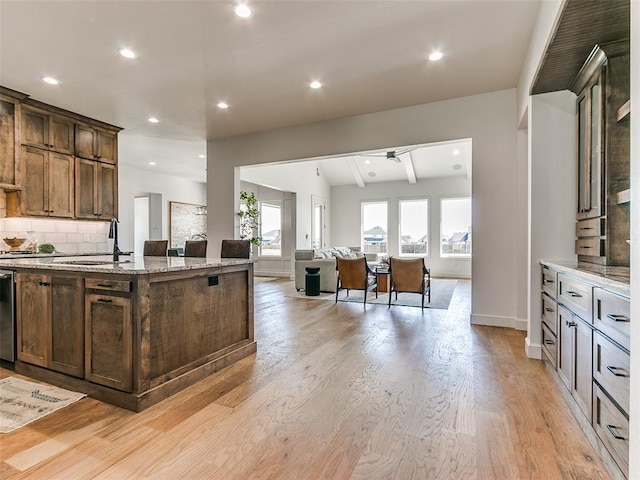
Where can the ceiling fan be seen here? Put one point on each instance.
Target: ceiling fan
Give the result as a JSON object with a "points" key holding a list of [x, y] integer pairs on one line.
{"points": [[392, 155]]}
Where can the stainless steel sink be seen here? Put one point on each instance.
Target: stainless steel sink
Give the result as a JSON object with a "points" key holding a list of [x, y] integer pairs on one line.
{"points": [[92, 262]]}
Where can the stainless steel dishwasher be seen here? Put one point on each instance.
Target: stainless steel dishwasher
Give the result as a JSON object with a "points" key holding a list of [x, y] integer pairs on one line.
{"points": [[7, 316]]}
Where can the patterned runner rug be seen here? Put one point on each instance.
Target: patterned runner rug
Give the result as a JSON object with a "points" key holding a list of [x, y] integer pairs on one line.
{"points": [[22, 402]]}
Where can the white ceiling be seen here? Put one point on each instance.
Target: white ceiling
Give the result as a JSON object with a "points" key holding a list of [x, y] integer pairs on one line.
{"points": [[371, 55]]}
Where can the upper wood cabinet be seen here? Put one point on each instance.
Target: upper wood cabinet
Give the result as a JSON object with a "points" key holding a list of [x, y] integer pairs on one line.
{"points": [[96, 190], [96, 144], [9, 141], [47, 185], [46, 130]]}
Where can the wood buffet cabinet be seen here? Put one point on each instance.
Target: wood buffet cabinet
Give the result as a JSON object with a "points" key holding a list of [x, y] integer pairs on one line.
{"points": [[56, 163], [585, 325]]}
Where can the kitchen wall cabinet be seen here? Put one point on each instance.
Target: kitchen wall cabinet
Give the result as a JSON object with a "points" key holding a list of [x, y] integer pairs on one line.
{"points": [[603, 149], [50, 329], [96, 190], [47, 185], [42, 129], [9, 142], [95, 144]]}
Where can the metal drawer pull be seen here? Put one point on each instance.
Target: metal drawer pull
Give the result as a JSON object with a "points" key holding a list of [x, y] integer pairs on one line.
{"points": [[45, 284], [544, 280], [547, 309], [570, 324], [108, 285], [617, 374], [585, 246], [611, 429], [105, 300], [573, 294], [618, 318], [548, 342], [586, 228]]}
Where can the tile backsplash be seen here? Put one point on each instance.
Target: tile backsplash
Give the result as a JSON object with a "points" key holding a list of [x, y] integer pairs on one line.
{"points": [[68, 236]]}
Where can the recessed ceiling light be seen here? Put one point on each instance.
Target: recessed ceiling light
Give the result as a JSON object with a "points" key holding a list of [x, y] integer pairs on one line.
{"points": [[372, 174], [456, 152], [367, 161], [315, 84], [202, 156], [457, 166], [223, 105], [152, 163], [243, 11], [50, 80], [125, 52], [435, 56], [153, 120]]}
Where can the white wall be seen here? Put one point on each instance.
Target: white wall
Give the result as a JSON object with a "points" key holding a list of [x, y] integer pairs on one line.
{"points": [[634, 445], [488, 119], [345, 216], [552, 194], [133, 182], [301, 179]]}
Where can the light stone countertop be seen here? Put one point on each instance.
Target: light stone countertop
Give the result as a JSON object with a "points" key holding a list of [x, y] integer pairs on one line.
{"points": [[127, 265], [614, 279], [20, 254]]}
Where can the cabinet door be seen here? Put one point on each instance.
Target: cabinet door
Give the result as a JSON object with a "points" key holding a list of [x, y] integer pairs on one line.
{"points": [[107, 181], [60, 185], [583, 376], [35, 128], [86, 189], [61, 134], [67, 325], [32, 314], [8, 152], [106, 147], [566, 348], [108, 342], [34, 199], [85, 142]]}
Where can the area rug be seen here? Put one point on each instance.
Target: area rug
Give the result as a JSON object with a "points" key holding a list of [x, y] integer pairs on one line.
{"points": [[441, 293], [22, 402]]}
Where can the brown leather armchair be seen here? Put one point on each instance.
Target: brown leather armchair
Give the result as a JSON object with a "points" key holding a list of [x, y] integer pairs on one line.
{"points": [[411, 276], [355, 274]]}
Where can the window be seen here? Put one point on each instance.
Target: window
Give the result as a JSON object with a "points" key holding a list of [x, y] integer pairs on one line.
{"points": [[414, 227], [455, 227], [270, 228], [374, 227]]}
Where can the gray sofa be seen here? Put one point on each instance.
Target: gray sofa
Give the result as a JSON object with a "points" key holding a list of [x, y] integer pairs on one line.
{"points": [[325, 259]]}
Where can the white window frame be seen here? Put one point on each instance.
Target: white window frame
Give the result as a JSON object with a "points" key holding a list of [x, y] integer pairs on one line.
{"points": [[386, 226], [428, 233], [455, 255], [271, 203]]}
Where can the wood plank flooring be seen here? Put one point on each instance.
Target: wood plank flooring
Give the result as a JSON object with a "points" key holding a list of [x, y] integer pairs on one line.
{"points": [[335, 391]]}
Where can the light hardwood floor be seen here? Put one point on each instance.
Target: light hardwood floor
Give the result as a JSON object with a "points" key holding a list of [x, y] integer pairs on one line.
{"points": [[335, 391]]}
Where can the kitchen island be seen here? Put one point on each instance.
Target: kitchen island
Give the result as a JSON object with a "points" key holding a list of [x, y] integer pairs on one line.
{"points": [[131, 332]]}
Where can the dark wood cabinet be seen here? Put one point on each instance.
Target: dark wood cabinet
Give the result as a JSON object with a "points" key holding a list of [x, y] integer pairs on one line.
{"points": [[108, 340], [42, 129], [9, 143], [95, 144], [96, 190], [50, 329], [48, 183]]}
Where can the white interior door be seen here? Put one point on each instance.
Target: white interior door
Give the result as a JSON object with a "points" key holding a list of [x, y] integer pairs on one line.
{"points": [[318, 222]]}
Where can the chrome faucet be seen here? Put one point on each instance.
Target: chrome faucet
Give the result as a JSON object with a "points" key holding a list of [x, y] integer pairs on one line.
{"points": [[113, 233]]}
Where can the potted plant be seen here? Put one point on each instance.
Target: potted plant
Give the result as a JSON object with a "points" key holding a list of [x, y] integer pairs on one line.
{"points": [[249, 218]]}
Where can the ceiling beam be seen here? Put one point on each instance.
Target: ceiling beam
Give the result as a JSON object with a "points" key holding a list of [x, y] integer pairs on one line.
{"points": [[408, 165], [355, 171]]}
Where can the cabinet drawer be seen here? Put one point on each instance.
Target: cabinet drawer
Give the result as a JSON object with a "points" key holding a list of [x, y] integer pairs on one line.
{"points": [[550, 313], [111, 285], [612, 315], [593, 227], [576, 296], [611, 369], [612, 427], [593, 247], [549, 346], [549, 282]]}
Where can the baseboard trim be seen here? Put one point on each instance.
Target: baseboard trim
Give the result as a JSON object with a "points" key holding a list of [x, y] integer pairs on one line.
{"points": [[533, 350], [493, 321]]}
